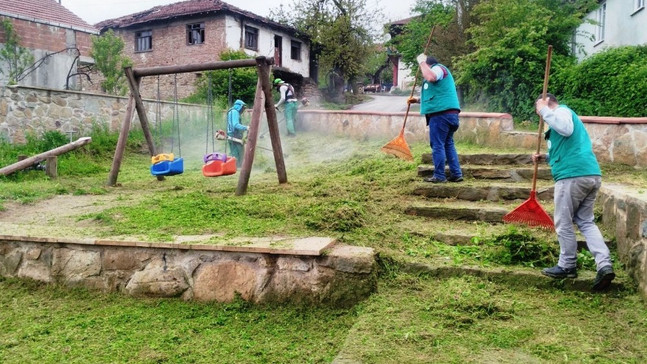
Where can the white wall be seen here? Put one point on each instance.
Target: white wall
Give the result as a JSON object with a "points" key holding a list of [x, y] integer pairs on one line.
{"points": [[266, 45], [624, 26]]}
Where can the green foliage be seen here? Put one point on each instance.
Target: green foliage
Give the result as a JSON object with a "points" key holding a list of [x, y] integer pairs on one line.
{"points": [[341, 34], [16, 58], [521, 247], [510, 38], [609, 83], [448, 40], [243, 83], [107, 51]]}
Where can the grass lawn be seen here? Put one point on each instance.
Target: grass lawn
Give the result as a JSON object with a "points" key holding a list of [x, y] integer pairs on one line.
{"points": [[337, 187]]}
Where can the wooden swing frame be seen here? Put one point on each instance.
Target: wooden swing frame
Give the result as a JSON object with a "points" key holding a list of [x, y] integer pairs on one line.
{"points": [[262, 98]]}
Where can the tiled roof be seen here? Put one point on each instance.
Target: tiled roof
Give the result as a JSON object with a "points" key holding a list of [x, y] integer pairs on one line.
{"points": [[46, 11], [185, 8]]}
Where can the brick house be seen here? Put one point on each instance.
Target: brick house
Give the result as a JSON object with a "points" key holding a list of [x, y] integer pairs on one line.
{"points": [[196, 31], [59, 40]]}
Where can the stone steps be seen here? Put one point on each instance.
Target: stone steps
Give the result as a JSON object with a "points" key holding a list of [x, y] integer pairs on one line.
{"points": [[492, 215], [470, 192], [487, 159], [499, 173]]}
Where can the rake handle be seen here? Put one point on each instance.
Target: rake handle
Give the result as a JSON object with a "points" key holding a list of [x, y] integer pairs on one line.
{"points": [[415, 79], [541, 120]]}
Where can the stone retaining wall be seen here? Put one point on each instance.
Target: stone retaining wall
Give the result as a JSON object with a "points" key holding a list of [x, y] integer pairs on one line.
{"points": [[341, 277], [624, 214], [29, 109], [618, 140]]}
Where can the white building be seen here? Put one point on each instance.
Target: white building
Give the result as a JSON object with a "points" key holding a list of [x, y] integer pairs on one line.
{"points": [[615, 23]]}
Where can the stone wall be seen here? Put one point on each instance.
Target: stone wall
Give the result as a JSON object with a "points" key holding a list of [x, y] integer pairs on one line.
{"points": [[31, 110], [618, 140], [342, 277], [624, 214]]}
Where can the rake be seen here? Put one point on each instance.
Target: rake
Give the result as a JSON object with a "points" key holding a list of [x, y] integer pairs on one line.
{"points": [[398, 146], [530, 212]]}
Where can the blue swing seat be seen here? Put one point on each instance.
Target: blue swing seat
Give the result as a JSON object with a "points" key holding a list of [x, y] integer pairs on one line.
{"points": [[168, 168]]}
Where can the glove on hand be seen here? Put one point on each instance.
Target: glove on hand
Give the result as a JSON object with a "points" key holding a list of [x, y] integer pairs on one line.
{"points": [[422, 58], [412, 100]]}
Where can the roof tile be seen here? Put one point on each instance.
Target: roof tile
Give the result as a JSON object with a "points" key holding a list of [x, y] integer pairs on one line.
{"points": [[45, 11]]}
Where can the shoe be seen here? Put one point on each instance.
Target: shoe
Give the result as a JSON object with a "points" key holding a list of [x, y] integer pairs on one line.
{"points": [[455, 179], [435, 180], [603, 278], [559, 272]]}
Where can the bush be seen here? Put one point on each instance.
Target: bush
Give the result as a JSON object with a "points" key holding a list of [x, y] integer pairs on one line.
{"points": [[610, 83]]}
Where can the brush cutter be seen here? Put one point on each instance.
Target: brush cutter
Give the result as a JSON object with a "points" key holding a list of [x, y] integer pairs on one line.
{"points": [[530, 212], [398, 146]]}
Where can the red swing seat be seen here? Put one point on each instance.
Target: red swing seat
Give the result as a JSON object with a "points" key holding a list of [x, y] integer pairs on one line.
{"points": [[216, 168]]}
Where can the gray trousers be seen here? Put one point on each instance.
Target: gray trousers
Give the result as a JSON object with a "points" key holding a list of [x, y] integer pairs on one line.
{"points": [[574, 200]]}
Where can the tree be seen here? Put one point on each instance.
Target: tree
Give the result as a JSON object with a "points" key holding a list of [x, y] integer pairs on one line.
{"points": [[510, 40], [17, 58], [107, 51], [243, 82], [341, 34]]}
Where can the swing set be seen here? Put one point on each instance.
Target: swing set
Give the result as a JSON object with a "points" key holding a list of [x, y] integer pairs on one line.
{"points": [[166, 164], [216, 164]]}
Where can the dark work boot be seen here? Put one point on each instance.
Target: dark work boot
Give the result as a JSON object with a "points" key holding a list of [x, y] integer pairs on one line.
{"points": [[603, 278], [559, 272]]}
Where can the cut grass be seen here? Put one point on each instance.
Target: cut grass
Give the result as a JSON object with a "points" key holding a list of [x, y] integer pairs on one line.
{"points": [[337, 187]]}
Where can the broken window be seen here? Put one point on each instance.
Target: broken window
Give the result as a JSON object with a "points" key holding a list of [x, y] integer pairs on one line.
{"points": [[144, 41], [251, 38], [295, 50], [195, 33]]}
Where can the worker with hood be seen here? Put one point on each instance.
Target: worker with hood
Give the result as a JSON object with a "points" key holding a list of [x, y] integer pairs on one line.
{"points": [[235, 131], [289, 97]]}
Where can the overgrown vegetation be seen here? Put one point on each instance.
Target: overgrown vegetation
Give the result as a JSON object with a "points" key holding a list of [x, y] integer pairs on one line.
{"points": [[225, 86], [107, 51], [337, 187], [16, 58]]}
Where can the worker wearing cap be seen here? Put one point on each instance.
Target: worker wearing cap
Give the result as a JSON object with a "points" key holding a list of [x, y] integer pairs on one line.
{"points": [[235, 131], [289, 98]]}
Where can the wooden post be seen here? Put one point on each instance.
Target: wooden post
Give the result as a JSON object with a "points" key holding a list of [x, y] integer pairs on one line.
{"points": [[250, 147], [51, 167], [28, 162], [272, 123], [121, 143], [263, 98], [133, 83]]}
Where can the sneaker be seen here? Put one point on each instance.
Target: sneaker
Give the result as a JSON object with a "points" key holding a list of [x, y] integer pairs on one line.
{"points": [[559, 272], [455, 179], [435, 180], [603, 278]]}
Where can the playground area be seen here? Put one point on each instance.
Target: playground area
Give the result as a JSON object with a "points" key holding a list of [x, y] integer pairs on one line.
{"points": [[450, 288]]}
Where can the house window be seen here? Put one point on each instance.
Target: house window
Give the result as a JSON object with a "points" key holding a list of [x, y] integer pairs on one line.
{"points": [[295, 50], [195, 33], [143, 41], [251, 38], [601, 19]]}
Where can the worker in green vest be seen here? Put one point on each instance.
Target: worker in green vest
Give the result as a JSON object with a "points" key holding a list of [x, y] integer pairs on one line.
{"points": [[577, 178]]}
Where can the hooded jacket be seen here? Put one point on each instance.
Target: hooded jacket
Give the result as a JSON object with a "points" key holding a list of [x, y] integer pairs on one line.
{"points": [[234, 127]]}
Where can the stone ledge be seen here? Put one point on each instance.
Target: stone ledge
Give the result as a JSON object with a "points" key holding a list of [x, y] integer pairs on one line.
{"points": [[342, 276], [311, 246]]}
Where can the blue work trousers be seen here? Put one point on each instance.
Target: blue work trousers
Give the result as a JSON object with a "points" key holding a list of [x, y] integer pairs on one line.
{"points": [[441, 140]]}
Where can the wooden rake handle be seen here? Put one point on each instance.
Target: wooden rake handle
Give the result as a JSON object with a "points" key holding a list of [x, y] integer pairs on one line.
{"points": [[415, 80], [541, 120]]}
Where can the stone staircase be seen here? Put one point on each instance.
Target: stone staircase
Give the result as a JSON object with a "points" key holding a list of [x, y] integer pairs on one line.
{"points": [[494, 184]]}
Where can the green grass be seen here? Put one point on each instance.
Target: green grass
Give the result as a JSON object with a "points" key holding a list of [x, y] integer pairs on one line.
{"points": [[50, 324], [337, 187]]}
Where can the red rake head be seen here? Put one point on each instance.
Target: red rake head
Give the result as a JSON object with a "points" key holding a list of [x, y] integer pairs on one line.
{"points": [[530, 213]]}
